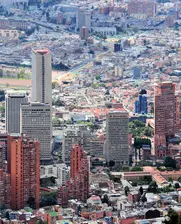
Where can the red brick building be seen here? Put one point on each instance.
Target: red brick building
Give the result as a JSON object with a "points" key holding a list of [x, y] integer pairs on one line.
{"points": [[165, 117], [146, 7], [23, 167], [5, 189], [78, 185]]}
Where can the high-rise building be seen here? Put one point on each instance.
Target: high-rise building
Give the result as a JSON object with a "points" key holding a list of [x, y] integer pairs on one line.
{"points": [[136, 73], [141, 105], [75, 135], [142, 7], [2, 156], [84, 33], [116, 145], [164, 116], [83, 18], [96, 147], [36, 123], [24, 170], [42, 76], [87, 20], [117, 47], [70, 137], [5, 189], [13, 100], [78, 185]]}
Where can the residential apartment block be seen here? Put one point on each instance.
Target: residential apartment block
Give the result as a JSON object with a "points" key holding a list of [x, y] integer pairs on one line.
{"points": [[24, 170]]}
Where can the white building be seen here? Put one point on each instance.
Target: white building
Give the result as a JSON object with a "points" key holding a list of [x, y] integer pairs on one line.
{"points": [[13, 100], [35, 121], [105, 31], [116, 146], [42, 76], [78, 116], [10, 2], [60, 171]]}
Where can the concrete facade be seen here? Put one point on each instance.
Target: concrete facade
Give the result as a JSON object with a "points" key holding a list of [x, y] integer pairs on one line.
{"points": [[117, 147], [42, 76], [36, 123], [13, 100]]}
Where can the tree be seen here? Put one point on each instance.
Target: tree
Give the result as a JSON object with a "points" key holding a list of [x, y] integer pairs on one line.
{"points": [[105, 199], [143, 198], [2, 109], [148, 131], [177, 185], [170, 179], [111, 163], [31, 202], [126, 190], [137, 168], [172, 217], [47, 199], [179, 179], [54, 85], [152, 187], [141, 190], [169, 162]]}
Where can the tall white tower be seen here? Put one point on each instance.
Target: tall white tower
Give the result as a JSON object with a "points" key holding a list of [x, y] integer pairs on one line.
{"points": [[42, 76]]}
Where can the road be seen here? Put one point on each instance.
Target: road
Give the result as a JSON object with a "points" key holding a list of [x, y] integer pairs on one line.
{"points": [[76, 69]]}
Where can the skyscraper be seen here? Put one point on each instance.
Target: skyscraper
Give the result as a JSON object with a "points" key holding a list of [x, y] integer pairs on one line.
{"points": [[141, 105], [116, 146], [42, 76], [78, 185], [23, 167], [83, 18], [36, 123], [164, 116], [13, 101]]}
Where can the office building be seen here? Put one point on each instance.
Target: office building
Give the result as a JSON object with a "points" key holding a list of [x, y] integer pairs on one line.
{"points": [[118, 71], [5, 189], [141, 105], [36, 123], [117, 146], [83, 18], [169, 21], [117, 47], [164, 116], [70, 137], [96, 147], [87, 16], [23, 167], [42, 76], [75, 135], [84, 33], [78, 185], [13, 100], [60, 172], [142, 7], [136, 73]]}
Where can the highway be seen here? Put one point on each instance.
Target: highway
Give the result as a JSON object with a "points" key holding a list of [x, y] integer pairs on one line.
{"points": [[76, 69]]}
